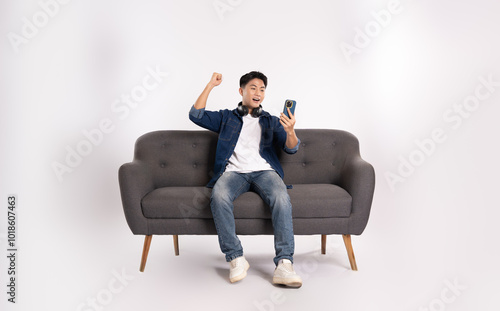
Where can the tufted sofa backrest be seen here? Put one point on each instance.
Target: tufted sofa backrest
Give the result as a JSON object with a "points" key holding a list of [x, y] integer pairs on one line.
{"points": [[320, 158], [186, 158]]}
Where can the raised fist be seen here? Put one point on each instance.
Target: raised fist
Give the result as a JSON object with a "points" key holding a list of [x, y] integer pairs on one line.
{"points": [[216, 79]]}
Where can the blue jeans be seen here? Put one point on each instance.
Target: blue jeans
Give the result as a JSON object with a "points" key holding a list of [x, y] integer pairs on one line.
{"points": [[272, 189]]}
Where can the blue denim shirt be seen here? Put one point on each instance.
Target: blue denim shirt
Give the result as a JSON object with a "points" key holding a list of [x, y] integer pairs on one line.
{"points": [[228, 124]]}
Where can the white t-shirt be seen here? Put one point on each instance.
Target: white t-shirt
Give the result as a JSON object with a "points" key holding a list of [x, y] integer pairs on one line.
{"points": [[246, 157]]}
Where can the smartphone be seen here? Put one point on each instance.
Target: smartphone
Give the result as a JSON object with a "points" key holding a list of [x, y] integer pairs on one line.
{"points": [[289, 104]]}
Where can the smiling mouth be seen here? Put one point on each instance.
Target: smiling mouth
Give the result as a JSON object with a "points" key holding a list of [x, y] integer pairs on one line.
{"points": [[256, 100]]}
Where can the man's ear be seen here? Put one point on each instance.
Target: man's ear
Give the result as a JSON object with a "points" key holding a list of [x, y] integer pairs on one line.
{"points": [[241, 91]]}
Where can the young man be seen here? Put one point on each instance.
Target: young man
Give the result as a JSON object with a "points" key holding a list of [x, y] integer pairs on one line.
{"points": [[246, 161]]}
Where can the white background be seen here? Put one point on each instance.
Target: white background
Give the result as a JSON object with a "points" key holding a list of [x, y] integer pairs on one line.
{"points": [[437, 227]]}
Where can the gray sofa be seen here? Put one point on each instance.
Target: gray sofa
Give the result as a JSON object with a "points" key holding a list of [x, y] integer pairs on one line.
{"points": [[163, 189]]}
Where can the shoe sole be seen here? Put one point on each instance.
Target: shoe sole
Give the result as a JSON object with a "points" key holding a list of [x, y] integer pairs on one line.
{"points": [[241, 276], [289, 283]]}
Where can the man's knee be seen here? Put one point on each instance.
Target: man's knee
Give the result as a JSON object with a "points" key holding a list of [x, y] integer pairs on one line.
{"points": [[280, 199], [220, 196], [281, 194]]}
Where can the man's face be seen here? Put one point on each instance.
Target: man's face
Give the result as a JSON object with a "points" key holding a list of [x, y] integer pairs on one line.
{"points": [[253, 94]]}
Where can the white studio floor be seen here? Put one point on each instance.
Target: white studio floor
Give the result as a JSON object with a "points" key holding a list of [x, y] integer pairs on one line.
{"points": [[393, 275], [386, 280]]}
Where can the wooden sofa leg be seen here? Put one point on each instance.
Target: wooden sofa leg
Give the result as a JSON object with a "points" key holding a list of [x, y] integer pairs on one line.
{"points": [[350, 252], [176, 245], [145, 251], [323, 244]]}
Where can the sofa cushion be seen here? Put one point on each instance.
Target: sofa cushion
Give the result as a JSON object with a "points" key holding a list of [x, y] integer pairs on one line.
{"points": [[320, 201], [308, 201]]}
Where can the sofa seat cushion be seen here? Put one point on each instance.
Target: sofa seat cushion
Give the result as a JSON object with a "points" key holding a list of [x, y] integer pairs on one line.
{"points": [[308, 201], [320, 201]]}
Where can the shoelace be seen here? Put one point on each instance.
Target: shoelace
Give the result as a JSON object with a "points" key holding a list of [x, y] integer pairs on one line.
{"points": [[287, 267], [236, 263]]}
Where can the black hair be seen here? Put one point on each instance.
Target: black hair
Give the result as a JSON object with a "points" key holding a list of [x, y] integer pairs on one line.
{"points": [[252, 75]]}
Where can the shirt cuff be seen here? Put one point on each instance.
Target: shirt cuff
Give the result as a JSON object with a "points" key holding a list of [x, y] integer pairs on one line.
{"points": [[197, 113], [294, 149]]}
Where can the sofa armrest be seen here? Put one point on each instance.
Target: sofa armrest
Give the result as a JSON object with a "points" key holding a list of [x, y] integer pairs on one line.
{"points": [[135, 182], [358, 178]]}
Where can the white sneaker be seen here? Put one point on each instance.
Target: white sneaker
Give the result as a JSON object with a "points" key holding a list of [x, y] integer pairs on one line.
{"points": [[238, 269], [285, 275]]}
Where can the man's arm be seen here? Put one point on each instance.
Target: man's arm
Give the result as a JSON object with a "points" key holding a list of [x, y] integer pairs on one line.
{"points": [[210, 120], [201, 102], [288, 124]]}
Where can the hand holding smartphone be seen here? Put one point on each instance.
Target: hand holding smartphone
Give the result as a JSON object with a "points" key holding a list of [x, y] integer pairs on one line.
{"points": [[289, 104]]}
